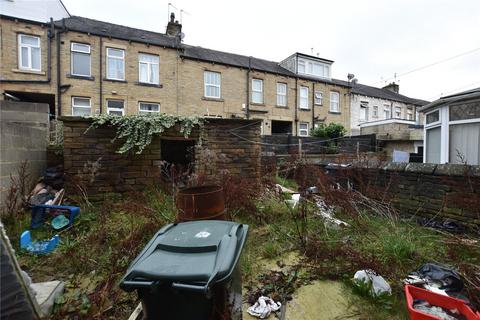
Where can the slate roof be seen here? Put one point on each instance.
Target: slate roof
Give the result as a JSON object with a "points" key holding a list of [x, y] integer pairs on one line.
{"points": [[375, 92]]}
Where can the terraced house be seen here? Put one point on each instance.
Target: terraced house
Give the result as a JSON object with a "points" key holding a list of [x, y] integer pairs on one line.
{"points": [[81, 66]]}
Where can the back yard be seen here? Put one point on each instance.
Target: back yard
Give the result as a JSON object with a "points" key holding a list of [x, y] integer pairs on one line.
{"points": [[291, 254]]}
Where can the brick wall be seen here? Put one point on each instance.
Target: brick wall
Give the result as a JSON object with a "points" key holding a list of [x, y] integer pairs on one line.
{"points": [[93, 151], [431, 191], [23, 137]]}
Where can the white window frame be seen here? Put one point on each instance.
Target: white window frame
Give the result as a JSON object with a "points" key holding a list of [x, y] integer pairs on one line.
{"points": [[375, 112], [444, 124], [149, 65], [116, 58], [398, 110], [303, 132], [410, 114], [29, 55], [80, 52], [309, 67], [258, 91], [83, 107], [116, 109], [205, 84], [387, 108], [304, 64], [306, 104], [318, 101], [282, 94], [436, 123], [140, 111], [364, 107], [332, 101]]}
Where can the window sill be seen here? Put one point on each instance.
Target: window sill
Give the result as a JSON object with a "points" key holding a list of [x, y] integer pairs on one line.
{"points": [[257, 111], [145, 84], [74, 76], [257, 104], [304, 109], [281, 107], [213, 99], [318, 105], [114, 80], [40, 73], [334, 112]]}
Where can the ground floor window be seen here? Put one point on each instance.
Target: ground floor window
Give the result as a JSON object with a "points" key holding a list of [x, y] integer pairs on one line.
{"points": [[148, 107], [464, 143], [81, 106], [433, 138], [303, 129], [116, 107]]}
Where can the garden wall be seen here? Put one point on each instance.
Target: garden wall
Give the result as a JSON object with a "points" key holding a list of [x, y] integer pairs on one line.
{"points": [[282, 144], [429, 191], [91, 160], [23, 137]]}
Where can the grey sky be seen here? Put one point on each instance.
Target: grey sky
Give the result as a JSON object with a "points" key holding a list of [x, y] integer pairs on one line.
{"points": [[370, 38]]}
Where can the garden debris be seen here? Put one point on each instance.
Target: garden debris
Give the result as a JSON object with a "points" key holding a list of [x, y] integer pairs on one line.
{"points": [[438, 312], [379, 285], [283, 189], [294, 200], [46, 293], [438, 276], [446, 225], [38, 247], [263, 307], [327, 213]]}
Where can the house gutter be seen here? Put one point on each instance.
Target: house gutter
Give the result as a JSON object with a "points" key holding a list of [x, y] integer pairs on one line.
{"points": [[50, 35], [296, 94]]}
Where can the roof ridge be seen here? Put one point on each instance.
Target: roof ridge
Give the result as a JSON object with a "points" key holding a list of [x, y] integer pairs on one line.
{"points": [[116, 24]]}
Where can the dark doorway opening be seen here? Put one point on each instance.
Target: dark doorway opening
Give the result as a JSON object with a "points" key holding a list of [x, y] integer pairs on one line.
{"points": [[178, 156], [33, 97], [279, 127]]}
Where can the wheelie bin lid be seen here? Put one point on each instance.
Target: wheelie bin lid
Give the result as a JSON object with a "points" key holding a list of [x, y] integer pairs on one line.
{"points": [[190, 255]]}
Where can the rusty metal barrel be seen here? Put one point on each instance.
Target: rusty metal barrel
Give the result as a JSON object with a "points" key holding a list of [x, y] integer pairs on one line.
{"points": [[201, 203]]}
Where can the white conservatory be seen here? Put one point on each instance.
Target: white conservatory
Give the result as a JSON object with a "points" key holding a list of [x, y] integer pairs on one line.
{"points": [[452, 129]]}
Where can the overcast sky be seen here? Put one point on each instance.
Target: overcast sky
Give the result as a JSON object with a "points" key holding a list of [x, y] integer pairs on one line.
{"points": [[373, 39]]}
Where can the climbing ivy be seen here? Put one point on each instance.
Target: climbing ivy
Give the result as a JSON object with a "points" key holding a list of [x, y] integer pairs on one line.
{"points": [[138, 130]]}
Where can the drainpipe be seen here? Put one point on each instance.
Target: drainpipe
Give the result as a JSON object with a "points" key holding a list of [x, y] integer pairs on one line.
{"points": [[247, 105], [296, 93], [313, 106], [59, 77], [50, 35], [101, 77]]}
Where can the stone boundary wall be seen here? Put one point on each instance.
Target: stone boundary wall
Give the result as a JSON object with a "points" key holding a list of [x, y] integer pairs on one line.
{"points": [[278, 144], [91, 160], [23, 137], [429, 191]]}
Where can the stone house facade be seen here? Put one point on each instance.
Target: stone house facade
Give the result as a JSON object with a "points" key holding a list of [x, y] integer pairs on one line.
{"points": [[82, 66]]}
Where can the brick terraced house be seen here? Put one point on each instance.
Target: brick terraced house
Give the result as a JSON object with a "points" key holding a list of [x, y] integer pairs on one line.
{"points": [[81, 66]]}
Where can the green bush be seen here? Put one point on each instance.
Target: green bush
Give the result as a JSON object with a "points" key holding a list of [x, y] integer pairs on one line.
{"points": [[331, 131]]}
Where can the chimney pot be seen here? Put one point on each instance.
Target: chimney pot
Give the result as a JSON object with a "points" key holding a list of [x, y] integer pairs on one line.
{"points": [[392, 87], [174, 29]]}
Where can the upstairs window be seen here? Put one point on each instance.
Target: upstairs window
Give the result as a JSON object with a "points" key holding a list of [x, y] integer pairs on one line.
{"points": [[318, 98], [386, 111], [148, 108], [364, 112], [115, 64], [398, 112], [80, 59], [116, 107], [301, 66], [334, 102], [212, 84], [81, 106], [303, 129], [303, 97], [375, 111], [148, 68], [281, 94], [314, 68], [29, 52], [409, 113], [257, 91]]}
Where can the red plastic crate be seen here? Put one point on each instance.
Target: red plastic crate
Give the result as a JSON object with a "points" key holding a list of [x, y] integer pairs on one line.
{"points": [[414, 293]]}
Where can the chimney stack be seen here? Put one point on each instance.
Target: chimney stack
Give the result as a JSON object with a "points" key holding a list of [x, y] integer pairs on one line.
{"points": [[392, 87], [174, 29]]}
